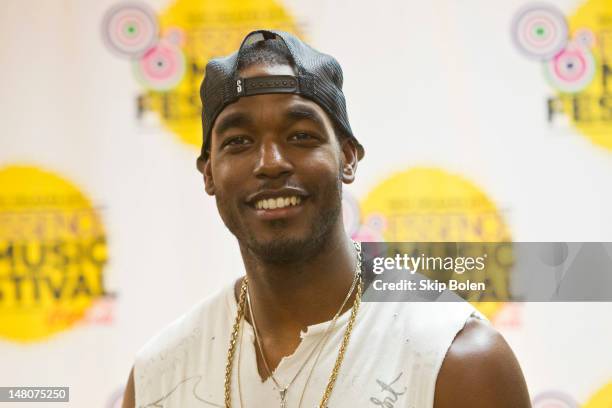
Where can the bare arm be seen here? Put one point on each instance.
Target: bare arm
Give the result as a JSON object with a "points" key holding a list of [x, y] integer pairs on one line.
{"points": [[128, 395], [480, 371]]}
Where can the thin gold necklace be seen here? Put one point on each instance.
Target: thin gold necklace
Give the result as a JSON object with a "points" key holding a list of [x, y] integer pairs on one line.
{"points": [[351, 323], [341, 352], [284, 389]]}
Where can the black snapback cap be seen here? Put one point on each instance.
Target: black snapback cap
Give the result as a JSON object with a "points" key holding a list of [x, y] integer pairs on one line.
{"points": [[318, 78]]}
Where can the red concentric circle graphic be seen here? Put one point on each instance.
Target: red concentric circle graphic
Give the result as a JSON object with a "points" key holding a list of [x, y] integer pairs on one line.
{"points": [[571, 70], [162, 67]]}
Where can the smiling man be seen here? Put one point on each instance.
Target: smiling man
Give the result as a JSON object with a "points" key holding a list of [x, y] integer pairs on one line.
{"points": [[293, 332]]}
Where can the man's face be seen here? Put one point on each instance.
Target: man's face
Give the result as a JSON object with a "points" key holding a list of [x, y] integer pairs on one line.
{"points": [[276, 170]]}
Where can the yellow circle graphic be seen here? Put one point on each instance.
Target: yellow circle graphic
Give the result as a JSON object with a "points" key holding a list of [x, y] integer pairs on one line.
{"points": [[52, 254], [588, 56], [206, 29], [425, 204], [602, 399]]}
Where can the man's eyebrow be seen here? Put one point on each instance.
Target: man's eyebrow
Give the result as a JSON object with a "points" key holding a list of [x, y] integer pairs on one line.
{"points": [[304, 112], [233, 120]]}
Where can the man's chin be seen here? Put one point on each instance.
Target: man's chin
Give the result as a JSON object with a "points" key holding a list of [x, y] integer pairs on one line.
{"points": [[284, 249], [289, 241]]}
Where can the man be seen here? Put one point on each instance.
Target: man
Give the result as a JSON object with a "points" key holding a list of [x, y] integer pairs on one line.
{"points": [[293, 333]]}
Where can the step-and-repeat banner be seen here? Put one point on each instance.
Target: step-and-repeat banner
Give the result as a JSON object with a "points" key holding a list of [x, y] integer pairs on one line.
{"points": [[482, 121]]}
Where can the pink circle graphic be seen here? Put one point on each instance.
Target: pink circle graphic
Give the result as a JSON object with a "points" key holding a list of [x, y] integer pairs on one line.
{"points": [[129, 29], [161, 68], [539, 31], [585, 38], [571, 70], [554, 399], [376, 222], [175, 36], [540, 23], [116, 399]]}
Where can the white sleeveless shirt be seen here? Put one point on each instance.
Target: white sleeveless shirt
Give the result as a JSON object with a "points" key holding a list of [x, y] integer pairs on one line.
{"points": [[392, 360]]}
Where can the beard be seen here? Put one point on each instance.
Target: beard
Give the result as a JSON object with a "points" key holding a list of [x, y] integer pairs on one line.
{"points": [[287, 249], [292, 250]]}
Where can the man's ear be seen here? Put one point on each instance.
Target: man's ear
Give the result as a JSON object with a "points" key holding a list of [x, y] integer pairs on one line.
{"points": [[205, 169], [349, 160]]}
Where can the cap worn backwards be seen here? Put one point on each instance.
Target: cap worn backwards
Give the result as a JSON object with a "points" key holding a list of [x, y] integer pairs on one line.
{"points": [[318, 78]]}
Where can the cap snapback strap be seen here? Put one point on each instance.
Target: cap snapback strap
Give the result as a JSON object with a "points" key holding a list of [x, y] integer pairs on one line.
{"points": [[267, 85]]}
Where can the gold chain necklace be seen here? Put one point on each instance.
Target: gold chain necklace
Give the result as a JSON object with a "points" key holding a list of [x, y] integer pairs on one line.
{"points": [[341, 352], [284, 389]]}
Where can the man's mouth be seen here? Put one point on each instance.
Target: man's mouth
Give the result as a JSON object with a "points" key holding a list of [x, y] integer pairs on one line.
{"points": [[276, 204], [279, 202]]}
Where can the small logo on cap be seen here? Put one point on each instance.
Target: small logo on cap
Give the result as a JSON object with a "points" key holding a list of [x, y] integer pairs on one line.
{"points": [[239, 86]]}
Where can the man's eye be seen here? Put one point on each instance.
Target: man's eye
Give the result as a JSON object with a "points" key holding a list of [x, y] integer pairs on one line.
{"points": [[299, 136], [236, 141]]}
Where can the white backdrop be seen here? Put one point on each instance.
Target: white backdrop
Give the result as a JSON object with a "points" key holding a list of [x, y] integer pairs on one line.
{"points": [[435, 84]]}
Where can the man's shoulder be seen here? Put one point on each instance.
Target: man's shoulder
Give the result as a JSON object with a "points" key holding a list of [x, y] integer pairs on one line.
{"points": [[189, 327], [427, 328], [426, 322], [480, 370]]}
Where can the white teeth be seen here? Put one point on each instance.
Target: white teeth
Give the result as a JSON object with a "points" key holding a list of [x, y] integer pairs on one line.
{"points": [[280, 202]]}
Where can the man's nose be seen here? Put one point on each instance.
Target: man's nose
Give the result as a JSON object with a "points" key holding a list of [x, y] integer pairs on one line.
{"points": [[272, 161]]}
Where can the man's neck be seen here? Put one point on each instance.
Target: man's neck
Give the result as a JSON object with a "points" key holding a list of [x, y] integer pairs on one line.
{"points": [[287, 298]]}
